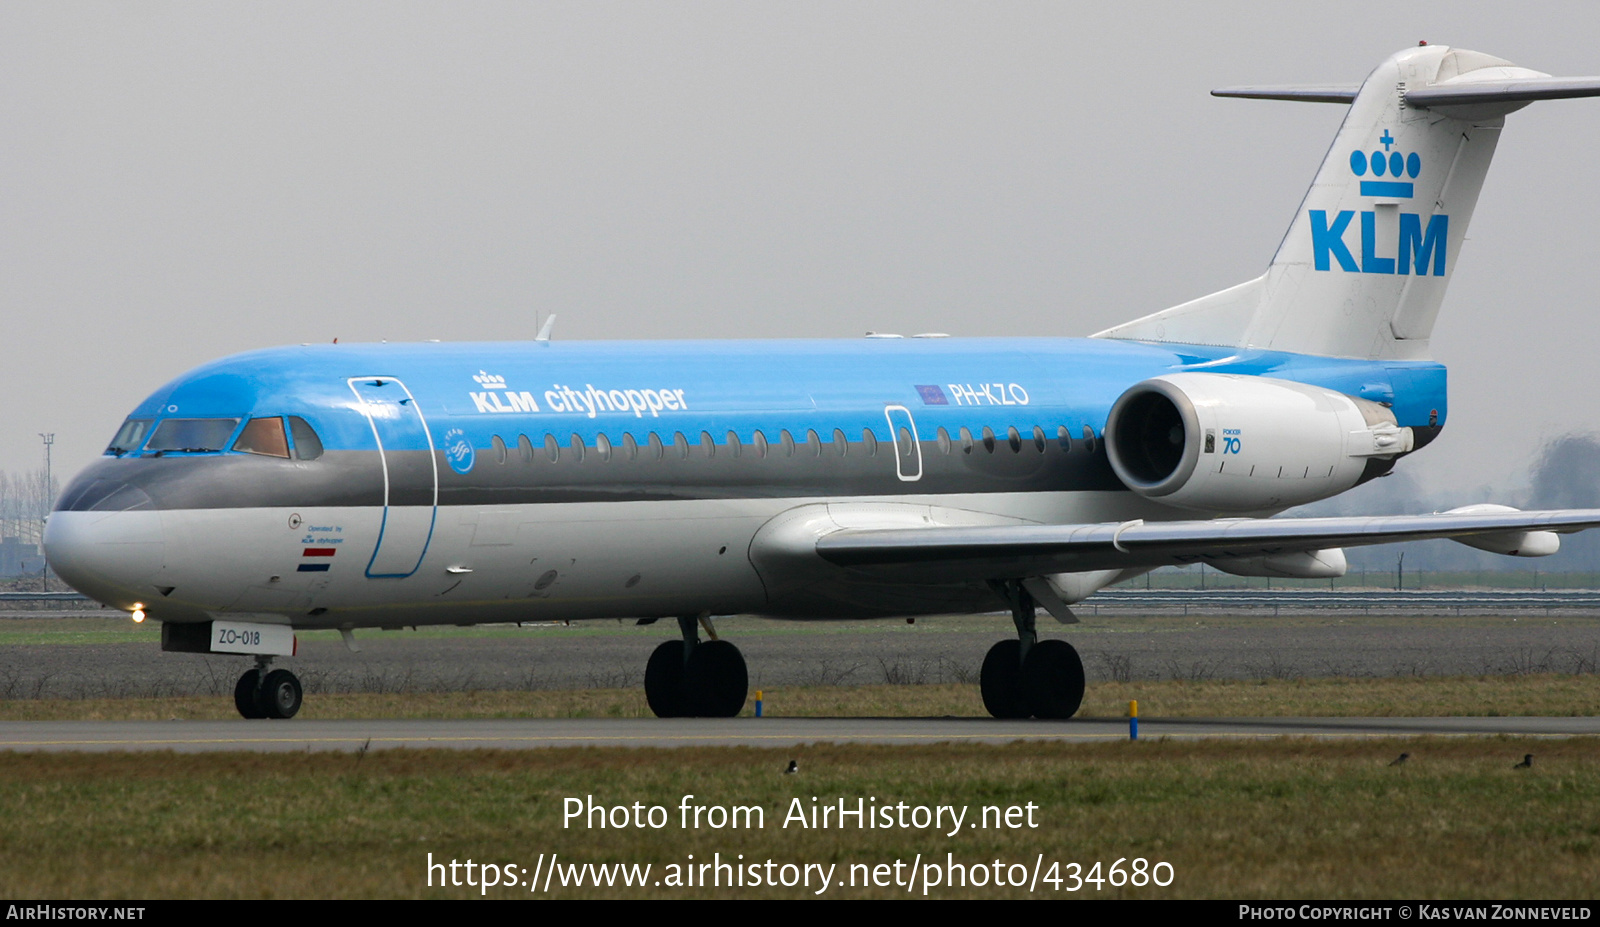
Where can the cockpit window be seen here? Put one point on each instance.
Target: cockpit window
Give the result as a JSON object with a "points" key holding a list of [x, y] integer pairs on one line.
{"points": [[129, 436], [263, 436], [307, 446], [192, 435]]}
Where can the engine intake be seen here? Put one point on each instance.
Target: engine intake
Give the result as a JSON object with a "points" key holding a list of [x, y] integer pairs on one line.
{"points": [[1227, 443]]}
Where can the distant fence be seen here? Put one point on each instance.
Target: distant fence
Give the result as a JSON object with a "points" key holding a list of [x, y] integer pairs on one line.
{"points": [[1431, 601], [44, 597], [22, 603]]}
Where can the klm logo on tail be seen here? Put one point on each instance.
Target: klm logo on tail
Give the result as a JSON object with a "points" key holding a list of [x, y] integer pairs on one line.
{"points": [[1418, 247]]}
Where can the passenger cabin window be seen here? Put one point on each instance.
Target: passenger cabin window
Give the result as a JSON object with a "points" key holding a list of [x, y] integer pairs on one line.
{"points": [[499, 449], [552, 448], [988, 439], [525, 449], [577, 447], [603, 445], [682, 444], [129, 436], [786, 440], [655, 446], [814, 441], [708, 445], [760, 443], [629, 446], [307, 446], [1038, 439], [733, 443], [264, 436], [966, 441], [869, 441], [944, 440], [1064, 438], [192, 435], [1088, 438], [840, 445], [1014, 438]]}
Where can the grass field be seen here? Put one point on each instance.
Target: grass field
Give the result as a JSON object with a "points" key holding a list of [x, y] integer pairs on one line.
{"points": [[1518, 685], [1532, 694], [1287, 818], [1284, 819]]}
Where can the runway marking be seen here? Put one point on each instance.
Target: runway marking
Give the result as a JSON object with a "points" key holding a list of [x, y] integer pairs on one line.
{"points": [[714, 740], [534, 739]]}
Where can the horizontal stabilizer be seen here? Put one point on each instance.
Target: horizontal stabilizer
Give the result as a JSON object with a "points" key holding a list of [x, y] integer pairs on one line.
{"points": [[1303, 93], [1510, 90], [1513, 90], [954, 554]]}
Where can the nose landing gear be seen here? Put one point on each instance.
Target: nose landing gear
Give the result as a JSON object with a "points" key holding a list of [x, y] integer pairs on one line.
{"points": [[691, 678], [263, 694]]}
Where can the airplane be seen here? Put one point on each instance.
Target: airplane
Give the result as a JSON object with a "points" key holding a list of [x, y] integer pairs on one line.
{"points": [[356, 486]]}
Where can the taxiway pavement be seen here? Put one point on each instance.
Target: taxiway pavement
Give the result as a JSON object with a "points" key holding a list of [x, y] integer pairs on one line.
{"points": [[302, 735]]}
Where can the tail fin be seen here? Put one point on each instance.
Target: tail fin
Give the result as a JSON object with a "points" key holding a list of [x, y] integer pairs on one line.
{"points": [[1363, 268]]}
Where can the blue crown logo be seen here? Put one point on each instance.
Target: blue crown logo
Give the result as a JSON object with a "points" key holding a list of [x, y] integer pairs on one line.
{"points": [[1392, 163]]}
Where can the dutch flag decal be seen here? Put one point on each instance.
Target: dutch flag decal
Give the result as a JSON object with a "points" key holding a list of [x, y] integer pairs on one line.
{"points": [[320, 553]]}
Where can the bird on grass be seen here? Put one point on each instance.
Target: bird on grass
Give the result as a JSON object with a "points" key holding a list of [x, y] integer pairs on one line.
{"points": [[794, 767], [1400, 760], [1527, 762]]}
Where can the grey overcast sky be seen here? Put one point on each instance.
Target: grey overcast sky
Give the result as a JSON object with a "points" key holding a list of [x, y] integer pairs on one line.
{"points": [[179, 181]]}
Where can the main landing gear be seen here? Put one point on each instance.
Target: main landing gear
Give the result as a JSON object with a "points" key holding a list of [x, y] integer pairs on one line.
{"points": [[263, 694], [691, 678], [1028, 677]]}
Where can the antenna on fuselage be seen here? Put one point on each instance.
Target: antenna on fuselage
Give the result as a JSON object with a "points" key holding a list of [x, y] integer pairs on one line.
{"points": [[544, 330]]}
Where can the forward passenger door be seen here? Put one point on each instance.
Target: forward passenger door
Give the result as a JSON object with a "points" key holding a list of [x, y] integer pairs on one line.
{"points": [[410, 475]]}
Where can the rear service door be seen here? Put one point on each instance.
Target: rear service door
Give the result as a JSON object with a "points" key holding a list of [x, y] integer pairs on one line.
{"points": [[907, 452], [410, 475]]}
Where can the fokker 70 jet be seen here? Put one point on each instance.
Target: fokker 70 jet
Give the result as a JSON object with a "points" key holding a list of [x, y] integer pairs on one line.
{"points": [[376, 486]]}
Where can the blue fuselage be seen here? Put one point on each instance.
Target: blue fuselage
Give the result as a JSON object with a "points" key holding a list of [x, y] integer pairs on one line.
{"points": [[406, 457]]}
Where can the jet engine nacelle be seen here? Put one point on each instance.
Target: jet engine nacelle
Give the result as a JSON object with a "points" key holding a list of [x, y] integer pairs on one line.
{"points": [[1228, 443]]}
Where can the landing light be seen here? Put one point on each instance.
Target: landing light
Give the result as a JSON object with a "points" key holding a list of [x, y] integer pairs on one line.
{"points": [[138, 614]]}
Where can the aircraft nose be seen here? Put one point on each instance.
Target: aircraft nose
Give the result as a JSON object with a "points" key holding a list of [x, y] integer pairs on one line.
{"points": [[107, 543]]}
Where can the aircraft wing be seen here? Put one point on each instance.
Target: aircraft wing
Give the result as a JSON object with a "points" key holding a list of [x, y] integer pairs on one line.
{"points": [[966, 553]]}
